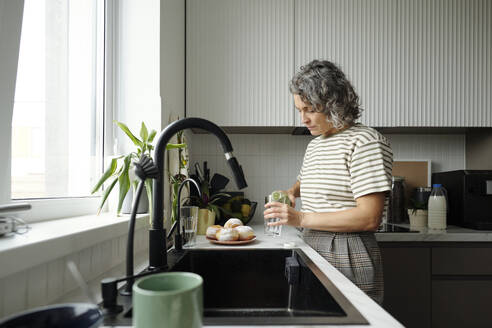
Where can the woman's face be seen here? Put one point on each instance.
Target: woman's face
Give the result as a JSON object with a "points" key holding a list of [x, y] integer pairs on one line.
{"points": [[316, 122]]}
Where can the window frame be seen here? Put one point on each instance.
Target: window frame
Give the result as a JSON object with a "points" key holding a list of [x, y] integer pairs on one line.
{"points": [[44, 209]]}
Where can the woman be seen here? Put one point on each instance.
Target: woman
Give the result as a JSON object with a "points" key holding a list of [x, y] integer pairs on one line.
{"points": [[344, 179]]}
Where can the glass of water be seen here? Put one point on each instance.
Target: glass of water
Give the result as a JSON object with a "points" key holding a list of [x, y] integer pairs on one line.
{"points": [[188, 225], [273, 231]]}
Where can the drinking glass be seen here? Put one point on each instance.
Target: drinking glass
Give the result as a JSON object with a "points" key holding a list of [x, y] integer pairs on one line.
{"points": [[188, 222], [273, 231]]}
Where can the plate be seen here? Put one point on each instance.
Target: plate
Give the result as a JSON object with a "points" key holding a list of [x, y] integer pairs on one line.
{"points": [[231, 242]]}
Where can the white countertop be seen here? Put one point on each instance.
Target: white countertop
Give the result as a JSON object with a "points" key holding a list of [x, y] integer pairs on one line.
{"points": [[451, 234]]}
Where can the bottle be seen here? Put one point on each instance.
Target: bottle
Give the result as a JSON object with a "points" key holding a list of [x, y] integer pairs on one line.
{"points": [[437, 207], [396, 208]]}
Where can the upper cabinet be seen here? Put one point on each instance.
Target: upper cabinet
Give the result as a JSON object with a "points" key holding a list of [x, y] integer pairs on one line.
{"points": [[414, 63], [239, 59]]}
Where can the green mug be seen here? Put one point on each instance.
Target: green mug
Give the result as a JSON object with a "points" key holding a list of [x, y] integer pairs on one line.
{"points": [[170, 299]]}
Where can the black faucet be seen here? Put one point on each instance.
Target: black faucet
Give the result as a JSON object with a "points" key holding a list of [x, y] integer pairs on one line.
{"points": [[178, 239], [157, 233]]}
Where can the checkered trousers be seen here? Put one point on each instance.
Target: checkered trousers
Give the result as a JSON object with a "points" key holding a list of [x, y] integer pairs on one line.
{"points": [[356, 255]]}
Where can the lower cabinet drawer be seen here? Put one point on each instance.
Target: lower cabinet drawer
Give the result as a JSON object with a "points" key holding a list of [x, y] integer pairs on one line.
{"points": [[461, 261], [461, 303]]}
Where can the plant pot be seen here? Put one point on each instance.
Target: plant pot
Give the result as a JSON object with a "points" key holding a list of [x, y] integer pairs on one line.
{"points": [[143, 204], [206, 218], [418, 219]]}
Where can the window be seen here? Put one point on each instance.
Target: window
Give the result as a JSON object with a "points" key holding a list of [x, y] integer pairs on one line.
{"points": [[57, 126]]}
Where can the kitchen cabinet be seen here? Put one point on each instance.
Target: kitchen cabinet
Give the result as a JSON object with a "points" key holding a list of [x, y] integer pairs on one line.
{"points": [[239, 59], [461, 286], [413, 63], [407, 283], [461, 303], [438, 284]]}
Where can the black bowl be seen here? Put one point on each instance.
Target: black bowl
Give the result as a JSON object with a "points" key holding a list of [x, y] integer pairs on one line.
{"points": [[251, 212], [72, 315], [226, 216]]}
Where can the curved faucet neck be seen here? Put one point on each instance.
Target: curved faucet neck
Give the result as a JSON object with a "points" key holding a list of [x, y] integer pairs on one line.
{"points": [[159, 154], [157, 235]]}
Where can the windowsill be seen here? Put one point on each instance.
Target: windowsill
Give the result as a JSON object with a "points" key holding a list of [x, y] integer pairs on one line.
{"points": [[49, 240]]}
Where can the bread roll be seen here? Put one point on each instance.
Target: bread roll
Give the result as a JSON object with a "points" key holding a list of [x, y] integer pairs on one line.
{"points": [[212, 231], [227, 234], [232, 223], [245, 232]]}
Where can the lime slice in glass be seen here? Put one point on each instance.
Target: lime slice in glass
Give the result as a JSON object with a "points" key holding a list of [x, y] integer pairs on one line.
{"points": [[280, 196], [277, 196]]}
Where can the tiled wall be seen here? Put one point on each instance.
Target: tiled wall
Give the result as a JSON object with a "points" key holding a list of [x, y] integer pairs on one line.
{"points": [[46, 283], [273, 161]]}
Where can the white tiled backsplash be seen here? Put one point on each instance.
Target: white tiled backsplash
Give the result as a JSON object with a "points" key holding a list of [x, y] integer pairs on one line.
{"points": [[46, 283], [272, 161]]}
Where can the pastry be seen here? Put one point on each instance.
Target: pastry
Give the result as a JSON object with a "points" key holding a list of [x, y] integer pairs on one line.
{"points": [[232, 223], [212, 231], [227, 234], [245, 232]]}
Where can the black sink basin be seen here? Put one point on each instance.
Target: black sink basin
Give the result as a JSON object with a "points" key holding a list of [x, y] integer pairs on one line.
{"points": [[251, 287]]}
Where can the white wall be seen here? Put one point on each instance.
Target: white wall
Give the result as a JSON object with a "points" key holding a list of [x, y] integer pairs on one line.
{"points": [[273, 162], [10, 30]]}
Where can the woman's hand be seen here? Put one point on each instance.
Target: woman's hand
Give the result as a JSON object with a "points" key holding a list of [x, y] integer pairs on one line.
{"points": [[291, 196], [287, 214]]}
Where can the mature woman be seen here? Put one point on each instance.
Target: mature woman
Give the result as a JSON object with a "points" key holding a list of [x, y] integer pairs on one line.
{"points": [[344, 179]]}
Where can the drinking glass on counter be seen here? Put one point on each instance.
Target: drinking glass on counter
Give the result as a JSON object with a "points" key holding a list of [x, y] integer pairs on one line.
{"points": [[189, 222], [273, 231]]}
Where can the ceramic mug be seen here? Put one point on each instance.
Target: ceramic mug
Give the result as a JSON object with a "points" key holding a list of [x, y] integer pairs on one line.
{"points": [[170, 299]]}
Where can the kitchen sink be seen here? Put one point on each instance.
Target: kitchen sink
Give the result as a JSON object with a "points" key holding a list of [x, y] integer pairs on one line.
{"points": [[259, 287]]}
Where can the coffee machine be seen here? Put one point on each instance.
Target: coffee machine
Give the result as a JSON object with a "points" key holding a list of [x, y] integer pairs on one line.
{"points": [[469, 197]]}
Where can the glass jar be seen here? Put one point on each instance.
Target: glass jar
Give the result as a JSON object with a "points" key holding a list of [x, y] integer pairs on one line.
{"points": [[396, 208]]}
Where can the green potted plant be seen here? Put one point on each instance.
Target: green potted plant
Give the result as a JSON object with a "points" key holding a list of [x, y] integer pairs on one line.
{"points": [[118, 170], [417, 213], [208, 211]]}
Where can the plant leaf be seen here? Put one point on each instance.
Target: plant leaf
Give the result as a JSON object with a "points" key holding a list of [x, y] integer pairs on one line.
{"points": [[217, 197], [175, 146], [215, 209], [124, 183], [144, 133], [109, 171], [107, 191], [125, 129], [151, 136]]}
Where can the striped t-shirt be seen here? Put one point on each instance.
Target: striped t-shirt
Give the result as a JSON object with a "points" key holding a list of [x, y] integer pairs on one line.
{"points": [[342, 167]]}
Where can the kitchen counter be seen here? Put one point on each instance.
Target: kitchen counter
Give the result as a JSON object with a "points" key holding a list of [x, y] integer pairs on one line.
{"points": [[372, 312], [451, 234]]}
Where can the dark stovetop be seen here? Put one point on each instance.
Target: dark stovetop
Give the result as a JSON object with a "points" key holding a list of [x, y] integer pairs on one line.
{"points": [[387, 227]]}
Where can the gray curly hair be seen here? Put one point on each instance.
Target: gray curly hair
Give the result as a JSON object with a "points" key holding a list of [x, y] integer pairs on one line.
{"points": [[323, 85]]}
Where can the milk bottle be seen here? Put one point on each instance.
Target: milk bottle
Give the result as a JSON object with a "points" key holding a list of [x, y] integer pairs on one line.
{"points": [[437, 207]]}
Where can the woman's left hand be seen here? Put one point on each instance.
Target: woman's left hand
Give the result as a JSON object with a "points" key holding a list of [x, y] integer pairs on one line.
{"points": [[287, 214]]}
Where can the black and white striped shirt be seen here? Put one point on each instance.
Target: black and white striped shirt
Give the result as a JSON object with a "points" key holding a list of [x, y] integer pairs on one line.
{"points": [[342, 167]]}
